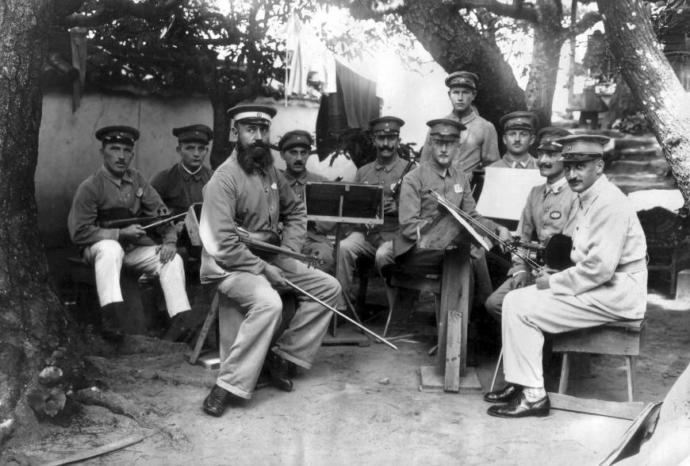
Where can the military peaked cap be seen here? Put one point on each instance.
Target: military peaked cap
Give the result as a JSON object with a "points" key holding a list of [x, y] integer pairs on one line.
{"points": [[582, 147], [386, 125], [548, 137], [123, 134], [193, 133], [295, 138], [252, 113], [518, 120], [445, 128], [464, 79]]}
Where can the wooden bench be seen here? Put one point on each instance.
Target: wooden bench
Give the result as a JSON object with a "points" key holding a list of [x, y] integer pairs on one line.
{"points": [[621, 338]]}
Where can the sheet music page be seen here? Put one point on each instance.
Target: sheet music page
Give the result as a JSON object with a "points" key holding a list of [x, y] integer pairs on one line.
{"points": [[505, 191]]}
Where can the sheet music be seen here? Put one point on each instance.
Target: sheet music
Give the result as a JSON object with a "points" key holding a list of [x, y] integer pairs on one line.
{"points": [[505, 191]]}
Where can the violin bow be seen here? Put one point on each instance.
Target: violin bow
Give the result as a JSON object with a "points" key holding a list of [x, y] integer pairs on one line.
{"points": [[163, 221], [337, 312]]}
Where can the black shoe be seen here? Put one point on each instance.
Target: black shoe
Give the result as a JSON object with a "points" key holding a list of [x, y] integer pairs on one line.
{"points": [[110, 322], [216, 401], [504, 395], [278, 372], [182, 326], [520, 407]]}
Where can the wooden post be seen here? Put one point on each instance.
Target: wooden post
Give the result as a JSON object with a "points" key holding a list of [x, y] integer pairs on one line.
{"points": [[452, 338]]}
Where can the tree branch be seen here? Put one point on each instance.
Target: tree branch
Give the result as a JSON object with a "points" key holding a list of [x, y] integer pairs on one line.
{"points": [[515, 11], [110, 10], [588, 20]]}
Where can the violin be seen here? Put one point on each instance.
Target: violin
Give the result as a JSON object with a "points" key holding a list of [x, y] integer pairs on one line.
{"points": [[266, 245], [554, 253]]}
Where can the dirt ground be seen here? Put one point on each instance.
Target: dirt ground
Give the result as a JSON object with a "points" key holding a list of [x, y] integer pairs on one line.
{"points": [[358, 405]]}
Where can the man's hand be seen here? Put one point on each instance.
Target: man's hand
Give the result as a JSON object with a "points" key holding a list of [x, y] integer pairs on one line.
{"points": [[166, 252], [505, 236], [131, 233], [542, 282], [522, 279], [389, 206], [274, 276]]}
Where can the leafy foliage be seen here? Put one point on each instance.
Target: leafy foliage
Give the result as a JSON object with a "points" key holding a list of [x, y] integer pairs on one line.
{"points": [[192, 48]]}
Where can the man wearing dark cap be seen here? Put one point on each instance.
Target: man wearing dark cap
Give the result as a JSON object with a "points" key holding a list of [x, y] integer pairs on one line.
{"points": [[180, 185], [548, 211], [376, 242], [247, 191], [478, 142], [419, 211], [518, 137], [116, 190], [295, 147], [608, 281]]}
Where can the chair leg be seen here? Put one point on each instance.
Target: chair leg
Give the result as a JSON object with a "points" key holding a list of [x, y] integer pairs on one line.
{"points": [[392, 297], [498, 365], [210, 317], [630, 369], [565, 373]]}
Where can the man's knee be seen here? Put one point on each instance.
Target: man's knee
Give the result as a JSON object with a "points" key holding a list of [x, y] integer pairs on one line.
{"points": [[384, 256], [107, 249]]}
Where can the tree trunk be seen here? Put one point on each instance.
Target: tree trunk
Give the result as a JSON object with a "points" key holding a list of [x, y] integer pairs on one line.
{"points": [[456, 45], [32, 320], [652, 81], [221, 130], [546, 53]]}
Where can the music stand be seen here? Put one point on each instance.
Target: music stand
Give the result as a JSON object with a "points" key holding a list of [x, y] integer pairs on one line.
{"points": [[340, 202]]}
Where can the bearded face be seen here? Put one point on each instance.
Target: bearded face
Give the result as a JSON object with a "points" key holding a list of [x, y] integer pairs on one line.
{"points": [[252, 146], [256, 156]]}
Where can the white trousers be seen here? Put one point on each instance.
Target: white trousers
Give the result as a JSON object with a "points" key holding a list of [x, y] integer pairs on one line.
{"points": [[108, 257], [527, 314]]}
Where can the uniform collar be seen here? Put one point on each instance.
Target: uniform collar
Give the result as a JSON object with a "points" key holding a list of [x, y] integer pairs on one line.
{"points": [[186, 174], [442, 172], [389, 167], [557, 186], [588, 197], [302, 179], [514, 163], [467, 118], [127, 177]]}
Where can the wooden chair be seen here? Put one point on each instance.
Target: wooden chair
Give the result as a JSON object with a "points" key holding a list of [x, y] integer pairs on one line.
{"points": [[621, 338]]}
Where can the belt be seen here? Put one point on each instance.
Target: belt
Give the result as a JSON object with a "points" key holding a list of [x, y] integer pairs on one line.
{"points": [[639, 265]]}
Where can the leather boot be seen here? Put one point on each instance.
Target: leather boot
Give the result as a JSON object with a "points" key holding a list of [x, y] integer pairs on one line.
{"points": [[110, 322], [216, 401], [278, 372]]}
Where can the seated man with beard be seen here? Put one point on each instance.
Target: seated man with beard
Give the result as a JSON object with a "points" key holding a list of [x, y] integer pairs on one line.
{"points": [[247, 191]]}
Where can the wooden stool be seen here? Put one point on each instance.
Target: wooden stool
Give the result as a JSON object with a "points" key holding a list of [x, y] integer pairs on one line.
{"points": [[621, 338]]}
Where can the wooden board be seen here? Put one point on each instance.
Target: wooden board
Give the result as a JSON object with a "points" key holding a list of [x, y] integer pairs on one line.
{"points": [[431, 378], [454, 306], [620, 410], [605, 339]]}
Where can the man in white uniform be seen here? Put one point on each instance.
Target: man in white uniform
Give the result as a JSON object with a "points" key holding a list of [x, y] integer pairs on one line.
{"points": [[607, 283]]}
